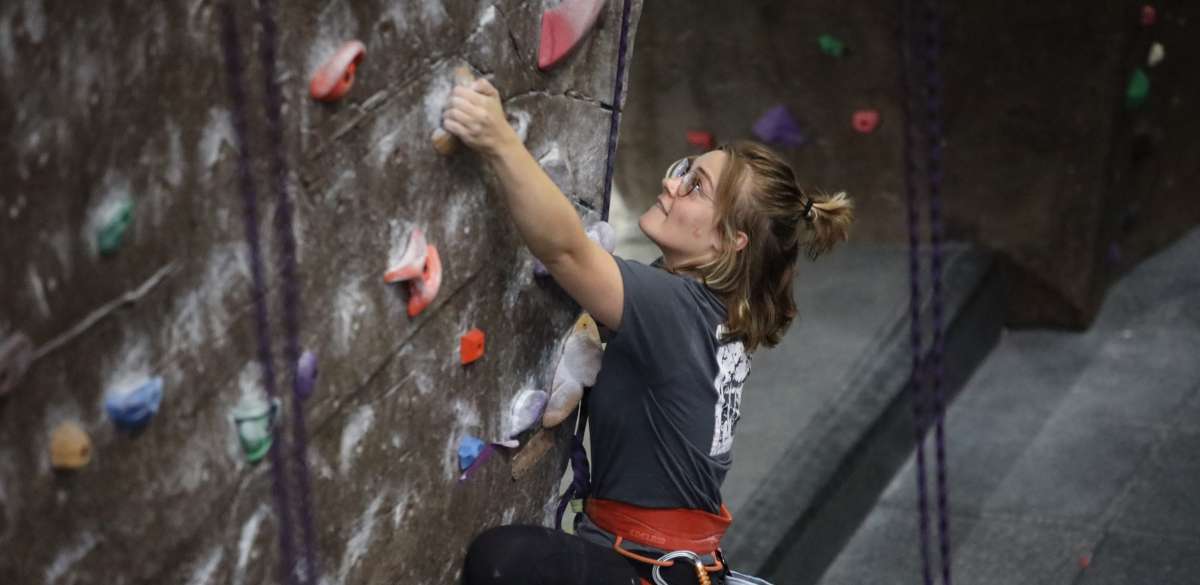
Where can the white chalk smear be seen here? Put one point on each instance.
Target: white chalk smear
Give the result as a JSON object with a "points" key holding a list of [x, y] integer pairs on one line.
{"points": [[349, 307], [352, 434], [360, 541], [35, 20], [203, 574], [217, 132], [66, 558], [246, 543], [39, 291]]}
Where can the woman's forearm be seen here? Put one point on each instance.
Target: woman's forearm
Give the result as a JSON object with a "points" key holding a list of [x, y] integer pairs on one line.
{"points": [[544, 217]]}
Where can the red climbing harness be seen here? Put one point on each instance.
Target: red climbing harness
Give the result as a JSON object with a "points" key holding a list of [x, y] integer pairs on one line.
{"points": [[675, 529]]}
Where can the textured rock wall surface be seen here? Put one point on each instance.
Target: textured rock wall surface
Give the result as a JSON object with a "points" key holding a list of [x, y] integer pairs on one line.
{"points": [[105, 102], [1043, 162]]}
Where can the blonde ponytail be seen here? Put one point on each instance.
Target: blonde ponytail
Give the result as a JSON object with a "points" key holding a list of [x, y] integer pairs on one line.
{"points": [[828, 223]]}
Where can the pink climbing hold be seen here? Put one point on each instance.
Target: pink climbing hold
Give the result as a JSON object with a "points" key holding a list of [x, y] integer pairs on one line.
{"points": [[412, 263], [1149, 15], [563, 27], [701, 139], [865, 121], [425, 289], [333, 80]]}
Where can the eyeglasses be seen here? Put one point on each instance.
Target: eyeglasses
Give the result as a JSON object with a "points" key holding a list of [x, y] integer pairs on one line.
{"points": [[689, 178]]}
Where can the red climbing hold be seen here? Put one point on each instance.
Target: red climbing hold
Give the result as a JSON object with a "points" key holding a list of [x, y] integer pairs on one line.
{"points": [[426, 288], [334, 78], [562, 27], [865, 121], [412, 263], [471, 346], [1149, 15], [701, 139]]}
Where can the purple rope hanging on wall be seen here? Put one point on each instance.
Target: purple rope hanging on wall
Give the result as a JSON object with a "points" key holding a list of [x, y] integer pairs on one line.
{"points": [[923, 52], [615, 124], [249, 195], [290, 296]]}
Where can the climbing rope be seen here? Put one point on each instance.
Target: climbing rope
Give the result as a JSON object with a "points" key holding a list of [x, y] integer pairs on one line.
{"points": [[615, 124], [249, 195], [581, 471], [925, 52], [290, 300]]}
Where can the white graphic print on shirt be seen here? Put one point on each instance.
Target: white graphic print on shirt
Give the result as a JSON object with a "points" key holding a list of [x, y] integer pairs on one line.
{"points": [[733, 366]]}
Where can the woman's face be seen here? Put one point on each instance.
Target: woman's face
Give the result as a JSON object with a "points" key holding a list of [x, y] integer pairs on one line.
{"points": [[683, 222]]}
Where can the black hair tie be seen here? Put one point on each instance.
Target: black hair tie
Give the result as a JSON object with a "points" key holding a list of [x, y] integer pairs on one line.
{"points": [[808, 205]]}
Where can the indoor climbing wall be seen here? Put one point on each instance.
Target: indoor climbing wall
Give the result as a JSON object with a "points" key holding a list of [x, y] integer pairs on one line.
{"points": [[1069, 135], [134, 425]]}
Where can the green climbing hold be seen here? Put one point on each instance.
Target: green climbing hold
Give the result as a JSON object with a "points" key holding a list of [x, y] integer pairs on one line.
{"points": [[1138, 90], [254, 418], [113, 227], [831, 45]]}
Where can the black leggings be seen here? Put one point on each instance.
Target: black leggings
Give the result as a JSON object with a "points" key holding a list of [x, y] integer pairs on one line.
{"points": [[535, 555]]}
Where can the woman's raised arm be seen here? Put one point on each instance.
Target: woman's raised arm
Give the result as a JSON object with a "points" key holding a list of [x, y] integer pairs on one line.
{"points": [[545, 219]]}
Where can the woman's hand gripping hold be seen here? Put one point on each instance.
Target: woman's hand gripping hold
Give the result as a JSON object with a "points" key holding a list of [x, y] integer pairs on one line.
{"points": [[476, 116]]}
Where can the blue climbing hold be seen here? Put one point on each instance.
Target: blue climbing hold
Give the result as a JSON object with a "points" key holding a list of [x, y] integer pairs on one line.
{"points": [[778, 127], [132, 409], [306, 374], [469, 449]]}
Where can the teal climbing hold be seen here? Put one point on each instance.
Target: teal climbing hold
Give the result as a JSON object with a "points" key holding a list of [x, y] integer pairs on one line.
{"points": [[112, 229], [831, 45], [255, 418], [1138, 89]]}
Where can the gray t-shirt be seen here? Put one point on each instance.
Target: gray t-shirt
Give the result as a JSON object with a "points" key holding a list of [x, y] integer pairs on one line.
{"points": [[664, 407]]}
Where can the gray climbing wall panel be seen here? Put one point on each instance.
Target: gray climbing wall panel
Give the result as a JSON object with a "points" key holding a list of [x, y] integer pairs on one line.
{"points": [[111, 102]]}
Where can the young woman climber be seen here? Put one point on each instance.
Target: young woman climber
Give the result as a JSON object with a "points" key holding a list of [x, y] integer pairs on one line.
{"points": [[731, 225]]}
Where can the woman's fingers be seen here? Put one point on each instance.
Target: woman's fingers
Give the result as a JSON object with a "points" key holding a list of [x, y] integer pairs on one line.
{"points": [[485, 87], [455, 128]]}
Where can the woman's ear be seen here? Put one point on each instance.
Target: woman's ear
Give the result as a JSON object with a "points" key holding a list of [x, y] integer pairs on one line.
{"points": [[741, 240]]}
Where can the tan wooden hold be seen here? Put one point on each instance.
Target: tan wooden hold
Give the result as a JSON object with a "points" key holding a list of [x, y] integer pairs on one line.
{"points": [[535, 449], [70, 447], [444, 142]]}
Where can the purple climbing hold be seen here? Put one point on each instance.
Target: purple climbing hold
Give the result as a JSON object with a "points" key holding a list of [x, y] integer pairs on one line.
{"points": [[778, 127], [306, 374], [524, 412]]}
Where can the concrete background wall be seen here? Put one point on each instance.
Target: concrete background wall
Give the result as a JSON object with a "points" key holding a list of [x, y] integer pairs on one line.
{"points": [[1043, 162], [103, 102]]}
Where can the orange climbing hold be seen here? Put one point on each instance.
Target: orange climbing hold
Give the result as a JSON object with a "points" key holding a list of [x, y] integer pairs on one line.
{"points": [[333, 80], [70, 447], [471, 346], [425, 289], [563, 27]]}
